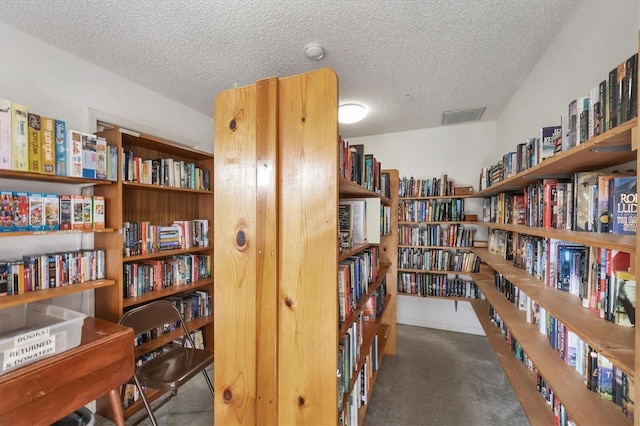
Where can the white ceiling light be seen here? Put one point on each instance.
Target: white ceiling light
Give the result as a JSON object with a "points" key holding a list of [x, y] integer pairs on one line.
{"points": [[351, 113], [314, 51]]}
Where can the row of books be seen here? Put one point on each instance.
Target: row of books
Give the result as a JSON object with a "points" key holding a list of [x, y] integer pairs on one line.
{"points": [[359, 167], [164, 172], [143, 237], [359, 395], [591, 201], [600, 277], [362, 221], [612, 102], [455, 235], [428, 259], [598, 373], [355, 274], [374, 306], [29, 211], [50, 270], [30, 142], [431, 210], [437, 285], [434, 187], [157, 274]]}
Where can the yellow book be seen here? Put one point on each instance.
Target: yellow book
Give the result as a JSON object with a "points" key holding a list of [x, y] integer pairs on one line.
{"points": [[48, 145], [35, 148], [19, 138]]}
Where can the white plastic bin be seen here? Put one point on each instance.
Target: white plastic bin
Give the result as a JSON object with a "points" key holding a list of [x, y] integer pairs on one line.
{"points": [[32, 332]]}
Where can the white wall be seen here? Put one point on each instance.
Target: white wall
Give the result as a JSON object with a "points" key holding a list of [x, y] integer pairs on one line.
{"points": [[459, 151], [55, 83], [595, 39]]}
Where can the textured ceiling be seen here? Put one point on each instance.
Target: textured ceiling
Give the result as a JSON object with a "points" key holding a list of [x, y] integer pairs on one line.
{"points": [[407, 60]]}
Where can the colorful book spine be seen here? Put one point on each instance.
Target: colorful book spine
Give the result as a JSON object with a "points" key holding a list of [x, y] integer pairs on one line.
{"points": [[6, 211], [36, 207], [48, 150], [20, 211], [77, 212], [61, 147], [101, 158], [35, 143], [623, 197], [74, 154], [98, 212], [19, 138], [5, 134], [112, 163], [65, 212], [89, 155], [51, 204]]}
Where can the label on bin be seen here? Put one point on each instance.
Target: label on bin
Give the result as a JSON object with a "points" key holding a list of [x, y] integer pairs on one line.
{"points": [[30, 336], [29, 352]]}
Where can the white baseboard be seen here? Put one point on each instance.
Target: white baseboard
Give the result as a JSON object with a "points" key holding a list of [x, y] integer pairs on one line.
{"points": [[441, 326]]}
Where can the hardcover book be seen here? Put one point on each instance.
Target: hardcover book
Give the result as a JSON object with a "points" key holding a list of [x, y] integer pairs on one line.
{"points": [[35, 148], [623, 202], [19, 138], [625, 297], [87, 212], [48, 148], [36, 207], [51, 212], [547, 141], [77, 212], [98, 212], [20, 211], [5, 134], [65, 212], [89, 155], [60, 147], [74, 154], [6, 211], [584, 190]]}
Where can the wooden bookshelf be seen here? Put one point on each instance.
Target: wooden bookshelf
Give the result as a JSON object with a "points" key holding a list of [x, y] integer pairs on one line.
{"points": [[277, 189], [616, 146], [132, 201]]}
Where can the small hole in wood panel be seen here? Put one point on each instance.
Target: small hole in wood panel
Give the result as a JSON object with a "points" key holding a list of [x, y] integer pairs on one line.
{"points": [[232, 125], [303, 119], [227, 395], [300, 400]]}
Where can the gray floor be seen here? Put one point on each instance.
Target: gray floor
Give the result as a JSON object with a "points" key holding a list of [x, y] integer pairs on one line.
{"points": [[437, 378]]}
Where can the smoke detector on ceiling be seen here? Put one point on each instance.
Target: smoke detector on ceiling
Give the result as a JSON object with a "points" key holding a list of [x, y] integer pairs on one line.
{"points": [[314, 51], [462, 115]]}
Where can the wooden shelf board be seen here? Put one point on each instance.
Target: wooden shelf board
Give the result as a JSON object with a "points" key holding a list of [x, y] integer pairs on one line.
{"points": [[163, 339], [625, 243], [165, 253], [153, 295], [150, 187], [14, 174], [350, 189], [582, 405], [456, 298], [357, 248], [162, 145], [152, 395], [523, 381], [615, 342], [55, 232], [588, 156], [36, 296]]}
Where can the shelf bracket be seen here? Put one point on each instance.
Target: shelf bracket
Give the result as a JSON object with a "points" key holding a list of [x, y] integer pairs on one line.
{"points": [[455, 305]]}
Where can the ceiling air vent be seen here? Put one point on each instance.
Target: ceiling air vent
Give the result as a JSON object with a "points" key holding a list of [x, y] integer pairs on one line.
{"points": [[462, 115]]}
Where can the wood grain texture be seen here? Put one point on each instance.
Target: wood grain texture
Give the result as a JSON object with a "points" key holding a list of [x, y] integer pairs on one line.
{"points": [[308, 199], [388, 254], [235, 273]]}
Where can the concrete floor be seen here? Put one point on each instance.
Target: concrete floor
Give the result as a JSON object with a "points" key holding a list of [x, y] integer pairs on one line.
{"points": [[437, 378]]}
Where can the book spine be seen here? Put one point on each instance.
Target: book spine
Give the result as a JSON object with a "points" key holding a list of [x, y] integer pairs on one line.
{"points": [[61, 147], [5, 134], [101, 158], [89, 148], [48, 145], [74, 154], [35, 143], [19, 138]]}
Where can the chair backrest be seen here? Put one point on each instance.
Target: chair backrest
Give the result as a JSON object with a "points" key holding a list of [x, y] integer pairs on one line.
{"points": [[152, 315]]}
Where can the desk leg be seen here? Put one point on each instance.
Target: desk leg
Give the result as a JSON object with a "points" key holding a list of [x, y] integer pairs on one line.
{"points": [[116, 406]]}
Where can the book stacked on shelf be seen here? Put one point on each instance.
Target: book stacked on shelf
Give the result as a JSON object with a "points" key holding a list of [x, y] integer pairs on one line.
{"points": [[439, 285], [360, 167], [429, 259], [431, 210], [436, 187], [36, 272], [31, 142], [156, 274], [355, 274], [143, 237], [455, 235], [164, 172]]}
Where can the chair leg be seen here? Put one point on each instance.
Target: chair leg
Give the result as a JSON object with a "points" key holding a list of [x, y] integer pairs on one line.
{"points": [[206, 377], [146, 403]]}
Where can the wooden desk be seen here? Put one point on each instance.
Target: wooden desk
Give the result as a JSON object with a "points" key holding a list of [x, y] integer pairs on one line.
{"points": [[48, 390]]}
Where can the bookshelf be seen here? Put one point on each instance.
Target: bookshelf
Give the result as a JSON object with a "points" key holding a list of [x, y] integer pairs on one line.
{"points": [[616, 146], [131, 199], [277, 188], [434, 249]]}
